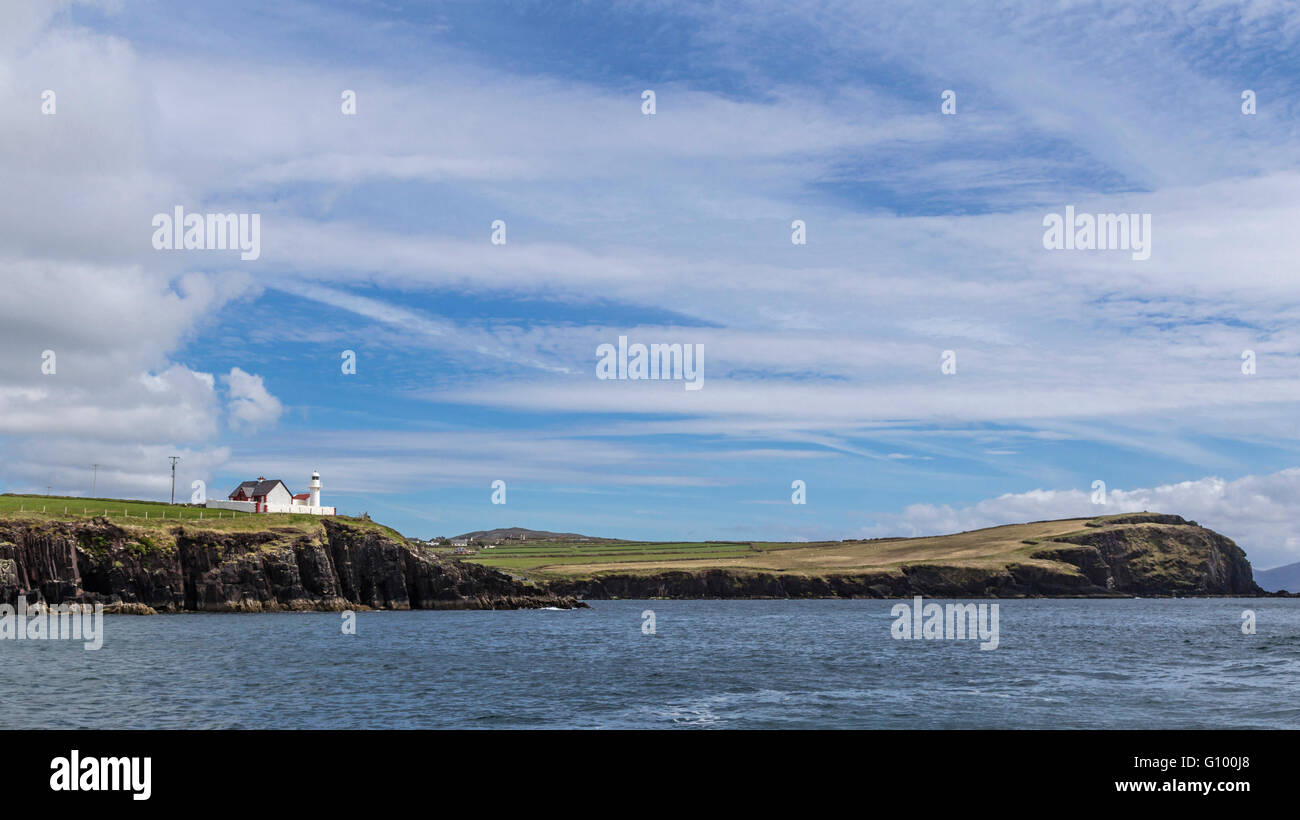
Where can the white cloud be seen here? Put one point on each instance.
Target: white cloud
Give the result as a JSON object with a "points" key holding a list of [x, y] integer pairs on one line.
{"points": [[687, 212], [1261, 513], [251, 405], [81, 282], [125, 470]]}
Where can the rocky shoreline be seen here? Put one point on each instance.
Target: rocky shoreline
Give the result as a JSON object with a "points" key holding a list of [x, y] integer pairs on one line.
{"points": [[337, 565], [332, 567]]}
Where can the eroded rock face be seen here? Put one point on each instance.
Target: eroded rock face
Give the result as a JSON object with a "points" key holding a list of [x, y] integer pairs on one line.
{"points": [[931, 581], [1160, 559], [347, 566], [340, 566]]}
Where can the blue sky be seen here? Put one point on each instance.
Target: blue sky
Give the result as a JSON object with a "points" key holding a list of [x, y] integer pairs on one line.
{"points": [[476, 362]]}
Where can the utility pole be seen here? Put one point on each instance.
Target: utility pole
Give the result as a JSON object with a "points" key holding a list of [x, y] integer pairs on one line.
{"points": [[94, 480], [174, 460]]}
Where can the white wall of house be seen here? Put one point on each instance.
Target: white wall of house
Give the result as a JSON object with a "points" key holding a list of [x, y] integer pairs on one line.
{"points": [[241, 506], [278, 496], [301, 509], [249, 506]]}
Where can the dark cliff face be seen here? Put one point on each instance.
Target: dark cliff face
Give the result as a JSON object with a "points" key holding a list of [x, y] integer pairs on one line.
{"points": [[1143, 554], [336, 567], [934, 581], [1163, 557], [341, 565]]}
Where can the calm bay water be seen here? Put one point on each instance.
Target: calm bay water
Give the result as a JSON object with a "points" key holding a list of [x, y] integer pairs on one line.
{"points": [[712, 664]]}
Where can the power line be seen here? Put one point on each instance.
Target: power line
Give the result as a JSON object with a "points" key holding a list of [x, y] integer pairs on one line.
{"points": [[174, 460]]}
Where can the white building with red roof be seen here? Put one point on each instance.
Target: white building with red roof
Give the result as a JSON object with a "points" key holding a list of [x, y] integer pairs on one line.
{"points": [[272, 495]]}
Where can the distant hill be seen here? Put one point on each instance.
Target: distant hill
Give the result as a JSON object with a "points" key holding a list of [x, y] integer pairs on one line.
{"points": [[1287, 577], [522, 534]]}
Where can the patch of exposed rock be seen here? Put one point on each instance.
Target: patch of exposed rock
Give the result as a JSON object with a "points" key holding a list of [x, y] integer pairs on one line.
{"points": [[336, 566]]}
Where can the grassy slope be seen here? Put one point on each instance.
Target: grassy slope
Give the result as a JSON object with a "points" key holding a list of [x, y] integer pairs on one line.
{"points": [[161, 517], [993, 547]]}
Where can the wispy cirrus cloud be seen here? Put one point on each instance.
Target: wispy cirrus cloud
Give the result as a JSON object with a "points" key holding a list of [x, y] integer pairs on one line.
{"points": [[924, 235]]}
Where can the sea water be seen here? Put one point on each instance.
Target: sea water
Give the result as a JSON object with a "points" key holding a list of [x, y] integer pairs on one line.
{"points": [[707, 664]]}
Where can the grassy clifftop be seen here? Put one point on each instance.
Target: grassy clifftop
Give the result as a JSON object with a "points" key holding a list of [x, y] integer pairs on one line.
{"points": [[1125, 554], [156, 518], [140, 558], [978, 548]]}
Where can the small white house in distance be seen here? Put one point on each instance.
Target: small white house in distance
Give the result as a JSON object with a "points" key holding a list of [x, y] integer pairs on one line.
{"points": [[273, 496]]}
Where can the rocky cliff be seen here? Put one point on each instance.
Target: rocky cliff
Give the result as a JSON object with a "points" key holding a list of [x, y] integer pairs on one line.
{"points": [[1142, 554], [333, 565], [1157, 555]]}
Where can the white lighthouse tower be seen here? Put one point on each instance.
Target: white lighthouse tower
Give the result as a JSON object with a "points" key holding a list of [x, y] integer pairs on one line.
{"points": [[314, 487]]}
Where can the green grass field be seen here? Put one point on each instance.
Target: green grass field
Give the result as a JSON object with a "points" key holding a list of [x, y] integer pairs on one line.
{"points": [[157, 515], [992, 547], [551, 557], [65, 507]]}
